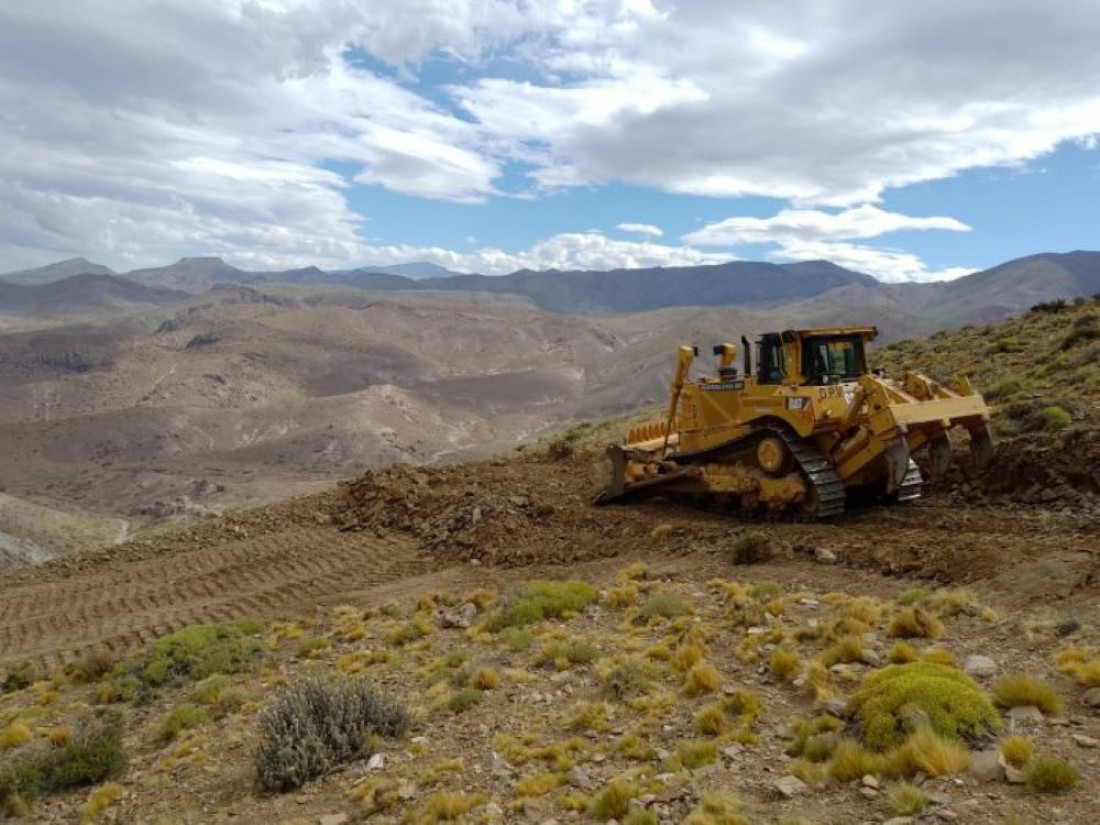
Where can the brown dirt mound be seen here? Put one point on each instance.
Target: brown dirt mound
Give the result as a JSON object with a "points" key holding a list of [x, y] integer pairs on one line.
{"points": [[532, 510], [1040, 469]]}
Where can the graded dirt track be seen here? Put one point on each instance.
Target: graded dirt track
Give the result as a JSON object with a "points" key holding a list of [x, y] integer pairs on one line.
{"points": [[407, 532]]}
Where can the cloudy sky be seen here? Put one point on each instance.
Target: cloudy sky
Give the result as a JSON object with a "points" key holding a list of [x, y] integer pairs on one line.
{"points": [[912, 139]]}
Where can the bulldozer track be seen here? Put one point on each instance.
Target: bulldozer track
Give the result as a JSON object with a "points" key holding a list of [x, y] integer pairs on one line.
{"points": [[818, 471], [124, 603]]}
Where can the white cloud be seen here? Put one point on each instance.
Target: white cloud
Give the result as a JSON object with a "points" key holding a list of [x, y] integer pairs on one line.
{"points": [[815, 225], [572, 250], [641, 229], [888, 265], [133, 131]]}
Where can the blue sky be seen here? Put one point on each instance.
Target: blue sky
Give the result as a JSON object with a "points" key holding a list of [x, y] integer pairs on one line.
{"points": [[912, 140], [1051, 204]]}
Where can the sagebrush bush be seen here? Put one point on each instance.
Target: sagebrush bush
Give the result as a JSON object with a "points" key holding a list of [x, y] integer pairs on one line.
{"points": [[899, 699], [92, 754], [315, 724]]}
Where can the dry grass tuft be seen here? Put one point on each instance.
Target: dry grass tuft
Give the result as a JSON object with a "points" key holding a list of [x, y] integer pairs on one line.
{"points": [[851, 761], [785, 664], [1017, 750], [686, 656], [711, 720], [1024, 689], [1047, 774], [716, 809], [925, 751], [701, 679], [915, 623], [906, 799], [613, 800], [99, 800]]}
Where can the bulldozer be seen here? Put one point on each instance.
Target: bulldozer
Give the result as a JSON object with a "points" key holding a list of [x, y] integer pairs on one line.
{"points": [[807, 432]]}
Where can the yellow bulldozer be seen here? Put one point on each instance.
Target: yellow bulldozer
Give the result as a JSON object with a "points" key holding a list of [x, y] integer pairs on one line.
{"points": [[807, 431]]}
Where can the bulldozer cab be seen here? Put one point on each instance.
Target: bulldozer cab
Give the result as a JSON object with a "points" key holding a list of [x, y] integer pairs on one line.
{"points": [[814, 356]]}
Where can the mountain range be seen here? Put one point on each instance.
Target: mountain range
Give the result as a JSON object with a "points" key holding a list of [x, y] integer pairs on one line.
{"points": [[988, 295]]}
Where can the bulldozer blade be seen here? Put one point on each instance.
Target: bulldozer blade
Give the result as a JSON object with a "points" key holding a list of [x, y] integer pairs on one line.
{"points": [[897, 465], [618, 475], [981, 447], [939, 451]]}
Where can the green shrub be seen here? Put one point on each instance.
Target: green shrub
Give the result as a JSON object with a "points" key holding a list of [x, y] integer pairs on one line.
{"points": [[628, 677], [1089, 331], [192, 653], [19, 676], [92, 754], [563, 654], [664, 606], [751, 548], [1055, 419], [1046, 774], [898, 699], [1007, 344], [542, 600], [315, 724], [92, 666], [1035, 415], [1049, 307], [463, 700], [185, 717]]}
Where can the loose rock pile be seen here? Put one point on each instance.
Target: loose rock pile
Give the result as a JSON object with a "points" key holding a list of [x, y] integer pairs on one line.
{"points": [[448, 514]]}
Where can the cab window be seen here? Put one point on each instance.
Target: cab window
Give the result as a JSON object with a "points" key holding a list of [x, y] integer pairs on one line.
{"points": [[772, 363], [828, 360]]}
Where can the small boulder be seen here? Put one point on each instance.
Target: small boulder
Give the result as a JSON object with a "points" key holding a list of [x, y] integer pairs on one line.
{"points": [[1091, 697], [823, 555], [985, 766], [334, 819], [981, 667], [790, 786], [1085, 741], [1025, 715], [580, 779]]}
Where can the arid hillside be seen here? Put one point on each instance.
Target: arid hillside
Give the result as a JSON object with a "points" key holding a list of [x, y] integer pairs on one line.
{"points": [[244, 394]]}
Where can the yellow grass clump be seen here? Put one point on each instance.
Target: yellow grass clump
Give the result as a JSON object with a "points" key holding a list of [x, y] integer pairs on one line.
{"points": [[100, 800], [1017, 750], [785, 664], [925, 751], [1023, 689], [702, 678]]}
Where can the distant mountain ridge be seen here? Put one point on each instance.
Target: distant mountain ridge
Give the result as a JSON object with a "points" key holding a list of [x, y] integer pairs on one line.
{"points": [[55, 272], [86, 294], [994, 293]]}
